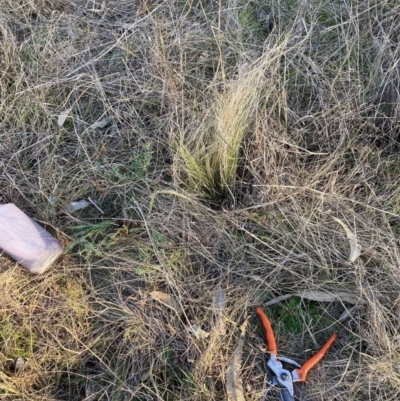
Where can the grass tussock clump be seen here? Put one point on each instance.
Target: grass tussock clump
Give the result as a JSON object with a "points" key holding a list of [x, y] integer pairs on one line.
{"points": [[210, 155], [223, 148]]}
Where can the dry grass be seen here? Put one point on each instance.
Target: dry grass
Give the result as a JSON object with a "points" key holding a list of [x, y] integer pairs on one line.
{"points": [[232, 146]]}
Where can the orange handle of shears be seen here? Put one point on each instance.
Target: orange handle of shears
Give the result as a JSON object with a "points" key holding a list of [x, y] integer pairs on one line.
{"points": [[302, 372], [271, 343]]}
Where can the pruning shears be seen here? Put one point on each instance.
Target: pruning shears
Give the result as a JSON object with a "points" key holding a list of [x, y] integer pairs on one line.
{"points": [[283, 378]]}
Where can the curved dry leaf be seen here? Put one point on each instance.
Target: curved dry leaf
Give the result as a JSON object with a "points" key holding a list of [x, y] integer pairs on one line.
{"points": [[219, 301], [234, 385], [199, 332], [219, 305], [63, 116], [347, 313], [281, 298], [101, 124], [320, 296], [77, 205], [355, 247], [20, 364], [165, 299]]}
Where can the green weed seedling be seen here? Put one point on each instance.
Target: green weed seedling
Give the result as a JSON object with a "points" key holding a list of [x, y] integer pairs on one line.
{"points": [[138, 166], [252, 27], [291, 316], [18, 343], [90, 238]]}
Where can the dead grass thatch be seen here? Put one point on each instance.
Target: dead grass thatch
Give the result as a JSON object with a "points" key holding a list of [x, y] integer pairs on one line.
{"points": [[221, 141]]}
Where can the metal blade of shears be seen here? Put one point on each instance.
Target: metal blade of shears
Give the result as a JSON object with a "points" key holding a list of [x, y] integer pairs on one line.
{"points": [[285, 395], [288, 360]]}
